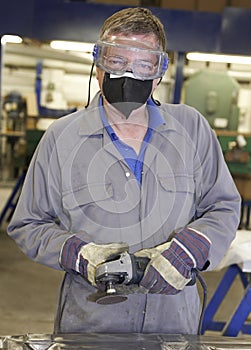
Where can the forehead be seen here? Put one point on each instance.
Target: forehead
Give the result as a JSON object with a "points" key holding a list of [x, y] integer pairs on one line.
{"points": [[130, 53], [132, 47], [143, 41]]}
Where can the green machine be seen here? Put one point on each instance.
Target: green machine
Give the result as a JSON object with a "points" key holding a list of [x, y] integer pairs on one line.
{"points": [[215, 95]]}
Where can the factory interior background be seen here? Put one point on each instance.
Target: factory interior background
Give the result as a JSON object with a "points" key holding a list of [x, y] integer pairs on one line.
{"points": [[40, 83]]}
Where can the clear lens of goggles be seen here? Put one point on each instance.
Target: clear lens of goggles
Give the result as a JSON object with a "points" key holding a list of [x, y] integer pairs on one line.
{"points": [[145, 64]]}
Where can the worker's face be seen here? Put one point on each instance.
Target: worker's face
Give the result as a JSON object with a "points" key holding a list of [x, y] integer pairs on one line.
{"points": [[138, 54], [128, 69]]}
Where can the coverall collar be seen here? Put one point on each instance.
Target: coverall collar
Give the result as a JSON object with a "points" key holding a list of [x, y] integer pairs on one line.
{"points": [[94, 126]]}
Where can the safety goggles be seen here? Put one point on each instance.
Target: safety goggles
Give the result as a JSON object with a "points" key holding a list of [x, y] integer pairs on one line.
{"points": [[144, 63]]}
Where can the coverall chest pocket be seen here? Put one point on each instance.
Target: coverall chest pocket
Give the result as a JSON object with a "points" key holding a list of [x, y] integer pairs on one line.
{"points": [[177, 183], [177, 196], [89, 207]]}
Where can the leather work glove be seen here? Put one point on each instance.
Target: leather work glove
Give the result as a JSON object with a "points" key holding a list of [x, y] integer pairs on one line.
{"points": [[171, 264], [81, 257]]}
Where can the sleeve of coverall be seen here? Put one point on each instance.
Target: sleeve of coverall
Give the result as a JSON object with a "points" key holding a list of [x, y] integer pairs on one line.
{"points": [[35, 226], [218, 205]]}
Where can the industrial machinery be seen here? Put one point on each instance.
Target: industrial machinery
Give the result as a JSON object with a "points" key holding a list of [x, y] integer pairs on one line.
{"points": [[215, 95], [236, 148], [14, 110], [12, 147]]}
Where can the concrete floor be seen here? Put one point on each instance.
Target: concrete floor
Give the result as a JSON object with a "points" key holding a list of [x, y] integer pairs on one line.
{"points": [[28, 291]]}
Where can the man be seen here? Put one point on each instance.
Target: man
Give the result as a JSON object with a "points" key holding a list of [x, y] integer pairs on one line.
{"points": [[128, 174]]}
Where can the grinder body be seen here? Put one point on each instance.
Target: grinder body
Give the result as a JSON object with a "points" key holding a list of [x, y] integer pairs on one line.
{"points": [[123, 269]]}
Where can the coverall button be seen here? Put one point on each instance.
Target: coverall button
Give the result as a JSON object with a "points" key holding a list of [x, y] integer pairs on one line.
{"points": [[127, 174]]}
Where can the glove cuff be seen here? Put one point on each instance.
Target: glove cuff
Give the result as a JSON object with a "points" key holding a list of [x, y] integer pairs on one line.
{"points": [[195, 246], [69, 258]]}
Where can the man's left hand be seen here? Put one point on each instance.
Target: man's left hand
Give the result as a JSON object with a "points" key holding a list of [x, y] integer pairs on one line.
{"points": [[171, 264]]}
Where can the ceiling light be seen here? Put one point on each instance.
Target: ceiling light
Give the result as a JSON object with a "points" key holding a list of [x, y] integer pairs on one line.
{"points": [[15, 39], [207, 57], [72, 46]]}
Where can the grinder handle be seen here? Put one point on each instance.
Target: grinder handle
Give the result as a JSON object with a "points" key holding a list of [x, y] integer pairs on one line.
{"points": [[139, 265]]}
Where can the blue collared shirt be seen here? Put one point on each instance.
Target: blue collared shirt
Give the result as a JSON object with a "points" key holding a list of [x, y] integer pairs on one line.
{"points": [[134, 160]]}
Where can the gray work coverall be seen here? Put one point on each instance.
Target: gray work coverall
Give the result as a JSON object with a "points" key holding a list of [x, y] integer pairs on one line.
{"points": [[78, 184]]}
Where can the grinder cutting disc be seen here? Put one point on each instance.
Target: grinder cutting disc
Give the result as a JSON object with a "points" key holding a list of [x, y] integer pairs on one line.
{"points": [[111, 299]]}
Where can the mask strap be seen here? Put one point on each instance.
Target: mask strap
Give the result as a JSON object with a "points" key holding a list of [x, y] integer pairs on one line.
{"points": [[156, 102]]}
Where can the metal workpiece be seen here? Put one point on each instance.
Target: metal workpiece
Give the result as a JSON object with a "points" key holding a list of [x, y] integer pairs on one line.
{"points": [[125, 341]]}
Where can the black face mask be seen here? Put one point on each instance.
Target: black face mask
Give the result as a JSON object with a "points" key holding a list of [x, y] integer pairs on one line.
{"points": [[126, 94]]}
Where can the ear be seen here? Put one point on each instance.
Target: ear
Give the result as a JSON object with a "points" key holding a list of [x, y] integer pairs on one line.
{"points": [[100, 77], [156, 82], [99, 73]]}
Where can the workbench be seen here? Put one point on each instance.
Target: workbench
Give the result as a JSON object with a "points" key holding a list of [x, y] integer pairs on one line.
{"points": [[124, 341]]}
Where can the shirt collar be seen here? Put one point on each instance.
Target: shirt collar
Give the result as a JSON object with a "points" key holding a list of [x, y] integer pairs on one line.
{"points": [[155, 118]]}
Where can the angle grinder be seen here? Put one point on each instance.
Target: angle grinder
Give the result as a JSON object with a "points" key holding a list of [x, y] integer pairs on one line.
{"points": [[123, 269]]}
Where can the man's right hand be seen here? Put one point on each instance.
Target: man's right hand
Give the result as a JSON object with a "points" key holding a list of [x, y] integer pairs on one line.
{"points": [[91, 255], [84, 257]]}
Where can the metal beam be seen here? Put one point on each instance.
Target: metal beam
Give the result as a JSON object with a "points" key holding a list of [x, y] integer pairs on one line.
{"points": [[179, 65]]}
